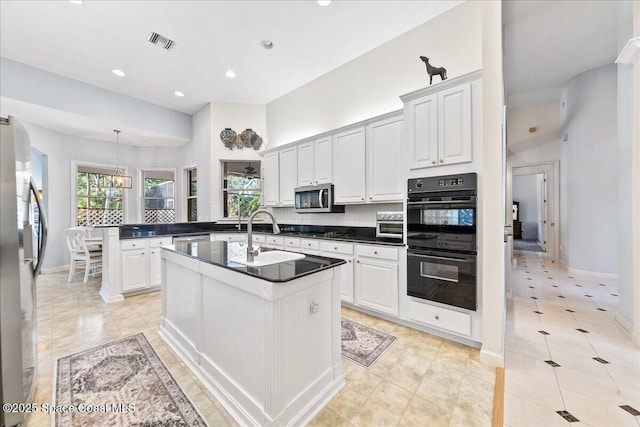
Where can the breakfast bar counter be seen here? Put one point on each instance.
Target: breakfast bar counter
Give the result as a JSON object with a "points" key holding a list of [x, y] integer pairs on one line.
{"points": [[265, 339]]}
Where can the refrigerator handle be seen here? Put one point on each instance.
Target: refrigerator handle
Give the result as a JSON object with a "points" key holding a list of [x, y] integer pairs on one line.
{"points": [[44, 229]]}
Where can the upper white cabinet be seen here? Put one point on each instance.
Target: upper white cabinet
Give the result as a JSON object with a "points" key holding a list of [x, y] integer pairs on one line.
{"points": [[315, 162], [384, 160], [438, 125], [270, 179], [454, 125], [349, 167], [288, 175]]}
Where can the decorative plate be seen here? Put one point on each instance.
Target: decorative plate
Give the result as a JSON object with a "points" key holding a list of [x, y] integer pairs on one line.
{"points": [[228, 137]]}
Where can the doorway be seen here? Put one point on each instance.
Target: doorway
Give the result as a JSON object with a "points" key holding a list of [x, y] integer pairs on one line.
{"points": [[537, 187], [530, 212]]}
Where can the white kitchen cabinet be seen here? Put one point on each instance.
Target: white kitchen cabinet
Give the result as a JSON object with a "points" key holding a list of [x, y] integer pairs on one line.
{"points": [[311, 247], [141, 262], [288, 175], [315, 162], [270, 179], [342, 250], [421, 131], [134, 269], [231, 237], [349, 168], [155, 266], [454, 125], [438, 128], [376, 279], [384, 160]]}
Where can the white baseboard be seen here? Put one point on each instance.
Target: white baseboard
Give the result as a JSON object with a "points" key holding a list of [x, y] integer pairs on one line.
{"points": [[591, 273], [58, 269], [626, 325], [491, 358]]}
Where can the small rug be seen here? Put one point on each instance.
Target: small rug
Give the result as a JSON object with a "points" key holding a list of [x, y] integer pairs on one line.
{"points": [[121, 383], [527, 245], [362, 344]]}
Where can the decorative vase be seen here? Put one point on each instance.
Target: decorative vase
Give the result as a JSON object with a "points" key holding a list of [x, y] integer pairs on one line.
{"points": [[228, 137], [248, 137], [239, 142], [257, 143]]}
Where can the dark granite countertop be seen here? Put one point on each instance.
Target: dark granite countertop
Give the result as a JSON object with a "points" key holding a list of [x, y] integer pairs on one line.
{"points": [[323, 232], [220, 253]]}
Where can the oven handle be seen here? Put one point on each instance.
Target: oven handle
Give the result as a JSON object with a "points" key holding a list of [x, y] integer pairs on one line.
{"points": [[440, 258], [442, 202]]}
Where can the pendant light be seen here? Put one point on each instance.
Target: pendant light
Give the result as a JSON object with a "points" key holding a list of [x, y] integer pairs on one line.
{"points": [[117, 180]]}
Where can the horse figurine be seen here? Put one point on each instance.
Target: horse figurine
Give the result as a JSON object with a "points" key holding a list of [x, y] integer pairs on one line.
{"points": [[434, 71]]}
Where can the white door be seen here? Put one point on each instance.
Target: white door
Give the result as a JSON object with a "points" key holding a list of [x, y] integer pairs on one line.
{"points": [[155, 267], [134, 270], [323, 161], [421, 132], [270, 180], [305, 164], [542, 228], [349, 166], [376, 285], [454, 125], [384, 160], [288, 175]]}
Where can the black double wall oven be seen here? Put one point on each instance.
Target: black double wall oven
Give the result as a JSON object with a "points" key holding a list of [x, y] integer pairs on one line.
{"points": [[441, 236]]}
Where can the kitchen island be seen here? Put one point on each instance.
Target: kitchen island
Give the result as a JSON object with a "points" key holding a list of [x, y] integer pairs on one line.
{"points": [[265, 340]]}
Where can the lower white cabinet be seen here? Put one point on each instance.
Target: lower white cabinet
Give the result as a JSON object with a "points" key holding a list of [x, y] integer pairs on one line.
{"points": [[141, 263], [134, 269], [376, 279], [342, 250], [231, 237]]}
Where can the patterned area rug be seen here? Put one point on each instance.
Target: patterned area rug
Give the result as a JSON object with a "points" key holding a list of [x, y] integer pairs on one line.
{"points": [[121, 383], [527, 245], [362, 344]]}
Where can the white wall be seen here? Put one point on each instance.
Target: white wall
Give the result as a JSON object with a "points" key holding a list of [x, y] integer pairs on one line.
{"points": [[543, 145], [35, 86], [526, 190], [625, 170], [61, 151], [198, 154], [371, 84], [237, 117], [589, 200]]}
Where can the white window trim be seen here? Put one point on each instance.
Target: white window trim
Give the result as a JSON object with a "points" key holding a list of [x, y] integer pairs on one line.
{"points": [[177, 188], [74, 187], [183, 205], [221, 217]]}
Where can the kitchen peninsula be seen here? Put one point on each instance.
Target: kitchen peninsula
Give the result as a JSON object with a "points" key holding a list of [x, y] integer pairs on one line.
{"points": [[265, 340]]}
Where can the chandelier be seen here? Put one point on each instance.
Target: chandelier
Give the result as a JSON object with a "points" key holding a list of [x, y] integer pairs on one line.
{"points": [[117, 180]]}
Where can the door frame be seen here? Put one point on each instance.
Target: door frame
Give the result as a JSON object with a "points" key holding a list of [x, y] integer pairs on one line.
{"points": [[551, 170]]}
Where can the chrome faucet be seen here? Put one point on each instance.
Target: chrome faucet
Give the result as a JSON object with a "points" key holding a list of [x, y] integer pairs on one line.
{"points": [[276, 230]]}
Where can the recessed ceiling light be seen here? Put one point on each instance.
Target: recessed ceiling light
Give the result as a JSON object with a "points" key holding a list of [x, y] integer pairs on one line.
{"points": [[324, 2], [267, 44], [230, 74], [76, 1], [118, 72], [178, 93]]}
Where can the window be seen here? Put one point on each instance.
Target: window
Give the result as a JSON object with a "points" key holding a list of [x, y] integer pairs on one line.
{"points": [[159, 202], [241, 188], [95, 205], [192, 193]]}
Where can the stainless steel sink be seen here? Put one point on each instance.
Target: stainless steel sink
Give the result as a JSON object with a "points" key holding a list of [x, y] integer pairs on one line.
{"points": [[267, 258]]}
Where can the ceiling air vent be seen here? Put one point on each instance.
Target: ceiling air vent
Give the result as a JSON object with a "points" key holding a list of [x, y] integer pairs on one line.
{"points": [[162, 41]]}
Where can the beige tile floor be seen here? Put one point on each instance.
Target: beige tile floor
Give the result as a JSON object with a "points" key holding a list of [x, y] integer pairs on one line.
{"points": [[422, 380], [589, 390]]}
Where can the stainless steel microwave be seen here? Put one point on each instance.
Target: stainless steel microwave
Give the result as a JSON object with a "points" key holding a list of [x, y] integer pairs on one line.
{"points": [[316, 199]]}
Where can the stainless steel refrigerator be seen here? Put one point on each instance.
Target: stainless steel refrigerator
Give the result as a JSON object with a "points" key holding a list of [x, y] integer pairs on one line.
{"points": [[23, 235]]}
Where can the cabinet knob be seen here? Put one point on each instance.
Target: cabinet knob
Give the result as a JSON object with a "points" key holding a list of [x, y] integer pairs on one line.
{"points": [[437, 317], [375, 252], [441, 160], [370, 197], [349, 261], [358, 262], [362, 198], [433, 162], [335, 248]]}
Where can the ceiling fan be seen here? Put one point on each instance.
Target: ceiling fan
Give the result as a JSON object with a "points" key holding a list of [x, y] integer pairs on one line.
{"points": [[249, 172]]}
